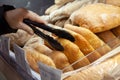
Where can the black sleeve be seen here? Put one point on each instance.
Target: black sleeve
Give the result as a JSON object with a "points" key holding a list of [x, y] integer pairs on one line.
{"points": [[4, 26]]}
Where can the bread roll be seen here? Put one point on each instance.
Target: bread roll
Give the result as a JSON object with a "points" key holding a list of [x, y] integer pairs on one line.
{"points": [[84, 46], [94, 41], [110, 38], [113, 2], [33, 57], [97, 17], [61, 61], [97, 72], [73, 53]]}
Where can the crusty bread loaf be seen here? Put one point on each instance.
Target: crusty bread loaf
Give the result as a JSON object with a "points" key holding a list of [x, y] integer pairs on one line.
{"points": [[94, 40], [97, 17], [113, 2], [73, 53], [109, 37], [84, 46], [33, 57], [97, 72], [61, 61]]}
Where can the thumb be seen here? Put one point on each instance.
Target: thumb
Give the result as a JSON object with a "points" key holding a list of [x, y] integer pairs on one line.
{"points": [[26, 28]]}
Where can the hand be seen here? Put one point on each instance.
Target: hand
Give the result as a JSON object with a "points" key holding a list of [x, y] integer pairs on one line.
{"points": [[15, 19]]}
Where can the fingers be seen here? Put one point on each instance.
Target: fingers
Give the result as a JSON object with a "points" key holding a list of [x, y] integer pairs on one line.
{"points": [[35, 17], [25, 28]]}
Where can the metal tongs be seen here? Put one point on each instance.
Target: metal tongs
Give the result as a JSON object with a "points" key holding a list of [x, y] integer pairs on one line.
{"points": [[58, 32]]}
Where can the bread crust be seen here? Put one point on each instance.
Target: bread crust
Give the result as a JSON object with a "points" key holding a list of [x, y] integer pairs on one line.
{"points": [[92, 38], [33, 57], [108, 17]]}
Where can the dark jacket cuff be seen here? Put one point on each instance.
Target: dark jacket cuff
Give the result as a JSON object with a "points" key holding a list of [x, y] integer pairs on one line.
{"points": [[4, 26]]}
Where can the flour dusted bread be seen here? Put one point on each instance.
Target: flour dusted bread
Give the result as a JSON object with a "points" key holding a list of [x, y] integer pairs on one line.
{"points": [[97, 17], [113, 2], [97, 72], [20, 37], [93, 39], [66, 10], [73, 53], [33, 57], [61, 61]]}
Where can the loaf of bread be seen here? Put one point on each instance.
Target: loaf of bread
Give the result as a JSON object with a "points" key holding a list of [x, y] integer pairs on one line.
{"points": [[33, 57], [73, 53], [84, 46], [97, 17], [93, 39], [38, 44], [66, 10], [97, 72], [61, 61]]}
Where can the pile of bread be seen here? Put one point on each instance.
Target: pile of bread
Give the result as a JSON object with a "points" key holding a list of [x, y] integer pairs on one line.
{"points": [[93, 25]]}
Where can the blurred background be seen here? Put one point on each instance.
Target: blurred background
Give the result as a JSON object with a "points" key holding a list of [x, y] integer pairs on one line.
{"points": [[38, 6]]}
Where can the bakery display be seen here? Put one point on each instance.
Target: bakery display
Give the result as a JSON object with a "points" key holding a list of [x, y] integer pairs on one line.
{"points": [[95, 28]]}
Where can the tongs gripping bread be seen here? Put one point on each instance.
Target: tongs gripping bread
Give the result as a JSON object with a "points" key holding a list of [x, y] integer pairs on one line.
{"points": [[59, 32], [49, 39]]}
